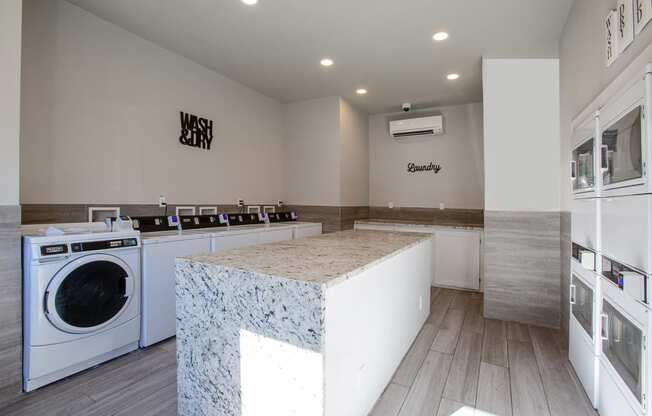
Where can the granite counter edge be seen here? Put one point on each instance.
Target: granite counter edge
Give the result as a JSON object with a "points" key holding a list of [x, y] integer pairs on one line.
{"points": [[325, 283]]}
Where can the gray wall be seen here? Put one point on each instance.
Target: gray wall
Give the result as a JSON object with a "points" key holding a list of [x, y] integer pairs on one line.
{"points": [[460, 183], [10, 276], [583, 75], [100, 119]]}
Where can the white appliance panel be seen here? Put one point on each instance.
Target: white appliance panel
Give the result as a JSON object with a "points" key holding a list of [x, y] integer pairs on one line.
{"points": [[611, 399], [228, 241], [582, 357], [626, 230], [584, 222], [158, 301]]}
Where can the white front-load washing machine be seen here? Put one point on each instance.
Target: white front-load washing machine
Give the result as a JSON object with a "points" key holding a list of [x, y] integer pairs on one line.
{"points": [[81, 301]]}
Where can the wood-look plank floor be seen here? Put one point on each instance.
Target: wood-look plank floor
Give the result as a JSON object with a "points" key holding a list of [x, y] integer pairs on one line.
{"points": [[141, 383], [479, 366], [460, 364]]}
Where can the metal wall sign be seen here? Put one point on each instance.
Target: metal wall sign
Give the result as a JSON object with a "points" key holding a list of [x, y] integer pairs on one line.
{"points": [[642, 14], [196, 131], [430, 167], [611, 49], [623, 24]]}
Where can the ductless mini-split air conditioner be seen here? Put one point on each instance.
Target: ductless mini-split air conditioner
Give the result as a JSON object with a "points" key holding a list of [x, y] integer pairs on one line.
{"points": [[422, 126]]}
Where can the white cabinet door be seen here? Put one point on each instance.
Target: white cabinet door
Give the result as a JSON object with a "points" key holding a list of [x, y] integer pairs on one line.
{"points": [[375, 227], [229, 241], [456, 259], [273, 236], [313, 230]]}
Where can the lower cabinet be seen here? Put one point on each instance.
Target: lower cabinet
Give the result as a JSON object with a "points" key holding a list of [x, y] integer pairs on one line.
{"points": [[456, 260], [456, 257]]}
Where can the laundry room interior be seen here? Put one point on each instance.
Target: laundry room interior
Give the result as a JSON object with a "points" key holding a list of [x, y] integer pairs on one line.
{"points": [[342, 208]]}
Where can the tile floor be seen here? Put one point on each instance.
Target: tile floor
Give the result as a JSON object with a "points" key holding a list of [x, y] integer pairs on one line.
{"points": [[460, 364]]}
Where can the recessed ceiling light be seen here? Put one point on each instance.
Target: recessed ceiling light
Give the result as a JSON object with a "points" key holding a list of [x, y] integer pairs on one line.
{"points": [[249, 2], [452, 77], [439, 36], [326, 62], [361, 91]]}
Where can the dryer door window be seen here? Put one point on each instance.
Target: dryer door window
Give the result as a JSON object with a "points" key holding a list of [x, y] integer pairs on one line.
{"points": [[582, 304], [621, 152], [582, 169], [89, 295], [622, 344]]}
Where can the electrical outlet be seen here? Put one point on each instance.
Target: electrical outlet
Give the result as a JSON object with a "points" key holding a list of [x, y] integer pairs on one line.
{"points": [[162, 201], [442, 205], [390, 205], [240, 202]]}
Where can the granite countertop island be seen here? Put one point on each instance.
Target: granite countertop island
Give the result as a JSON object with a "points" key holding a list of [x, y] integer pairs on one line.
{"points": [[297, 327]]}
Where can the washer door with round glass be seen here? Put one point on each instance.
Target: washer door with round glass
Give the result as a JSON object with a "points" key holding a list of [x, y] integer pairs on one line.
{"points": [[89, 293]]}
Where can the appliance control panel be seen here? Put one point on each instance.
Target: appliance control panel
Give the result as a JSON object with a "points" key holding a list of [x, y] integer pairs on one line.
{"points": [[53, 250], [193, 222], [585, 256], [156, 223], [282, 216], [245, 219], [633, 282]]}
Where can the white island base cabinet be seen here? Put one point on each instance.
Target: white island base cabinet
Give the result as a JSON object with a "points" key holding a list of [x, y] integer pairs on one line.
{"points": [[321, 339]]}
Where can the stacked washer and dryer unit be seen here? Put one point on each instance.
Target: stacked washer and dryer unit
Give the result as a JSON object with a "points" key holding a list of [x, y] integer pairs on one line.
{"points": [[611, 264]]}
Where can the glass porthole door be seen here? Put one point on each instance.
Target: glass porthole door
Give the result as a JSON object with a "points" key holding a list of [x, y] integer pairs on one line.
{"points": [[88, 293]]}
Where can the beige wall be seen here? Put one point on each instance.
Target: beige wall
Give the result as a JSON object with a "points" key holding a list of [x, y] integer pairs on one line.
{"points": [[521, 134], [583, 73], [460, 182], [101, 119], [326, 151], [354, 174], [312, 152], [10, 45]]}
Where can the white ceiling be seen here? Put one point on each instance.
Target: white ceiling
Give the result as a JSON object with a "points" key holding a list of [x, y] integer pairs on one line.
{"points": [[385, 46]]}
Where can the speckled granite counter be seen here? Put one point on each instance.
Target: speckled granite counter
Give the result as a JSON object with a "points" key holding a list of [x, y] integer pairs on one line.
{"points": [[254, 325], [327, 259], [421, 224]]}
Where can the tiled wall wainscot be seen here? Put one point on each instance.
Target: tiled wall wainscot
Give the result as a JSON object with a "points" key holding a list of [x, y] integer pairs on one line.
{"points": [[565, 273], [10, 304], [522, 267]]}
